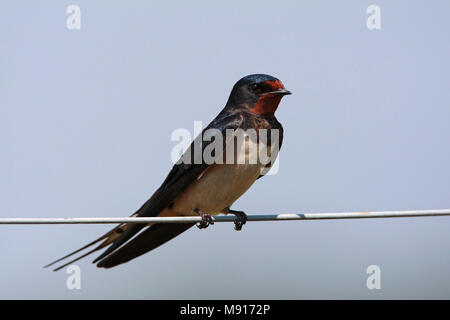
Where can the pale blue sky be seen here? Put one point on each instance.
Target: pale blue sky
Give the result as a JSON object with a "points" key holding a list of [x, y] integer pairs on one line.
{"points": [[86, 118]]}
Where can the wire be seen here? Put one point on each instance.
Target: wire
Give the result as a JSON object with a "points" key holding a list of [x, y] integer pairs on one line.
{"points": [[269, 217]]}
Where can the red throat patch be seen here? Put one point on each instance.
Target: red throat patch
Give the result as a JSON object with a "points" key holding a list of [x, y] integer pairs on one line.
{"points": [[268, 103]]}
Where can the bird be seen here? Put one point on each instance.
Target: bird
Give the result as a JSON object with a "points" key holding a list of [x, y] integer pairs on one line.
{"points": [[203, 188]]}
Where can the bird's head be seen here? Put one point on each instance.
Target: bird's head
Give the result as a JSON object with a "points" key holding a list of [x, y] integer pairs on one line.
{"points": [[259, 93]]}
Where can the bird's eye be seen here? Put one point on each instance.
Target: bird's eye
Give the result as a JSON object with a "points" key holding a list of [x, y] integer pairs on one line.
{"points": [[255, 86]]}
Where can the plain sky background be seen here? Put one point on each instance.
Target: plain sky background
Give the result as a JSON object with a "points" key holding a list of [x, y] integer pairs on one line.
{"points": [[86, 118]]}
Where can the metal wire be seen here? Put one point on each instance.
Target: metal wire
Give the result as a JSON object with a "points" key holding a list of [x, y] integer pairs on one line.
{"points": [[269, 217]]}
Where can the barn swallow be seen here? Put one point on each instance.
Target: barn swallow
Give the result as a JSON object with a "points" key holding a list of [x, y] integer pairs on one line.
{"points": [[199, 188]]}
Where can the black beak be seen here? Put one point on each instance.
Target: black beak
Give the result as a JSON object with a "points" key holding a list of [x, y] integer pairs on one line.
{"points": [[282, 92]]}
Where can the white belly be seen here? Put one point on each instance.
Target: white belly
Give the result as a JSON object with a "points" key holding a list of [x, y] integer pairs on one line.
{"points": [[219, 186]]}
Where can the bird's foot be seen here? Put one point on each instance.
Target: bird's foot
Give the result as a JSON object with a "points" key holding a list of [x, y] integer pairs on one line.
{"points": [[206, 219], [241, 219]]}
